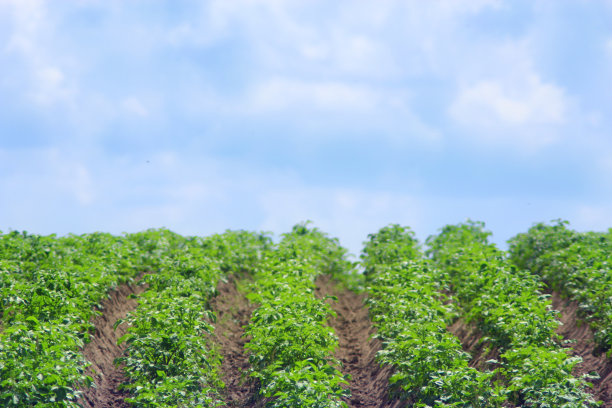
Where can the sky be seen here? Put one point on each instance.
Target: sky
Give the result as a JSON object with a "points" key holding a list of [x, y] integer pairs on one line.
{"points": [[202, 116]]}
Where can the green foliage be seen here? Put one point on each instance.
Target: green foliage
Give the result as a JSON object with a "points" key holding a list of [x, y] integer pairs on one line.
{"points": [[460, 235], [542, 377], [169, 361], [40, 365], [576, 264], [508, 306], [238, 251], [291, 347], [49, 287], [388, 245], [525, 248], [322, 252], [410, 313]]}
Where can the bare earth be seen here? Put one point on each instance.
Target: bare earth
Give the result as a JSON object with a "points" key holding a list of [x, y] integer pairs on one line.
{"points": [[368, 381], [369, 384], [102, 350], [593, 361], [233, 312]]}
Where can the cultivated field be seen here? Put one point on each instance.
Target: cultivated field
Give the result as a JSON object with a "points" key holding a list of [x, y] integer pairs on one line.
{"points": [[155, 319]]}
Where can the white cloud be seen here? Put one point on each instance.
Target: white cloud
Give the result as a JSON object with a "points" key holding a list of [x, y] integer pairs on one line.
{"points": [[342, 52], [341, 110], [350, 214], [40, 176], [29, 18], [77, 179], [597, 217], [352, 61], [367, 40], [134, 106], [337, 109], [529, 120], [494, 104], [46, 82], [54, 190], [51, 87], [59, 192], [288, 94], [50, 77], [68, 176], [50, 190], [502, 98], [466, 6]]}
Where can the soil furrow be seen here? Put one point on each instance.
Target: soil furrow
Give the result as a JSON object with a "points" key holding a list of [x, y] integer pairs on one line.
{"points": [[470, 338], [369, 383], [233, 312], [582, 345], [102, 350]]}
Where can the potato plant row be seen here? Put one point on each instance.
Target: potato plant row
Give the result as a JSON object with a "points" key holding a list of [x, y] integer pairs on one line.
{"points": [[169, 361], [411, 315], [507, 305], [49, 287], [578, 265], [291, 348]]}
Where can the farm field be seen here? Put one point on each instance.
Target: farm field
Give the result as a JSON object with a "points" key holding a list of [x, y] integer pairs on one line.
{"points": [[156, 319]]}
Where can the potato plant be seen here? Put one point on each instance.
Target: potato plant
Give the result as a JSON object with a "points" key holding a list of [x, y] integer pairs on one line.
{"points": [[578, 265], [410, 313], [291, 347], [49, 287], [169, 361], [508, 306]]}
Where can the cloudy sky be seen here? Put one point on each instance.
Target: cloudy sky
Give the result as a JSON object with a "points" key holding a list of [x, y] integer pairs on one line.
{"points": [[257, 114]]}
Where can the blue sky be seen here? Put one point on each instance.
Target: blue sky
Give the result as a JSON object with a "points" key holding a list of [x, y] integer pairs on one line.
{"points": [[257, 114]]}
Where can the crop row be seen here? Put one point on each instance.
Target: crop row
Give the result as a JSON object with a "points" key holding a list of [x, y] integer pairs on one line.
{"points": [[49, 287], [168, 361], [508, 307], [411, 316], [291, 347], [578, 265]]}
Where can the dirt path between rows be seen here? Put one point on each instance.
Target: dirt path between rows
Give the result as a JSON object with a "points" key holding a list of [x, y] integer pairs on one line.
{"points": [[233, 312], [369, 384], [470, 337], [102, 350], [579, 331]]}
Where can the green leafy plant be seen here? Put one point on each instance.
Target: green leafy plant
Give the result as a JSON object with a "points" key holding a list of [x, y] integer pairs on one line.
{"points": [[170, 361], [410, 312], [49, 287], [578, 265], [507, 304], [291, 347]]}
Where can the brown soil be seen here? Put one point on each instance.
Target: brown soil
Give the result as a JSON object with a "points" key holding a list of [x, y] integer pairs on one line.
{"points": [[470, 337], [233, 312], [369, 383], [102, 350], [575, 329]]}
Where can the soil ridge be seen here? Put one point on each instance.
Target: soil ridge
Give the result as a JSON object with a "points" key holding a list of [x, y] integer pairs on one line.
{"points": [[471, 341], [233, 313], [369, 382], [103, 349], [578, 331]]}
